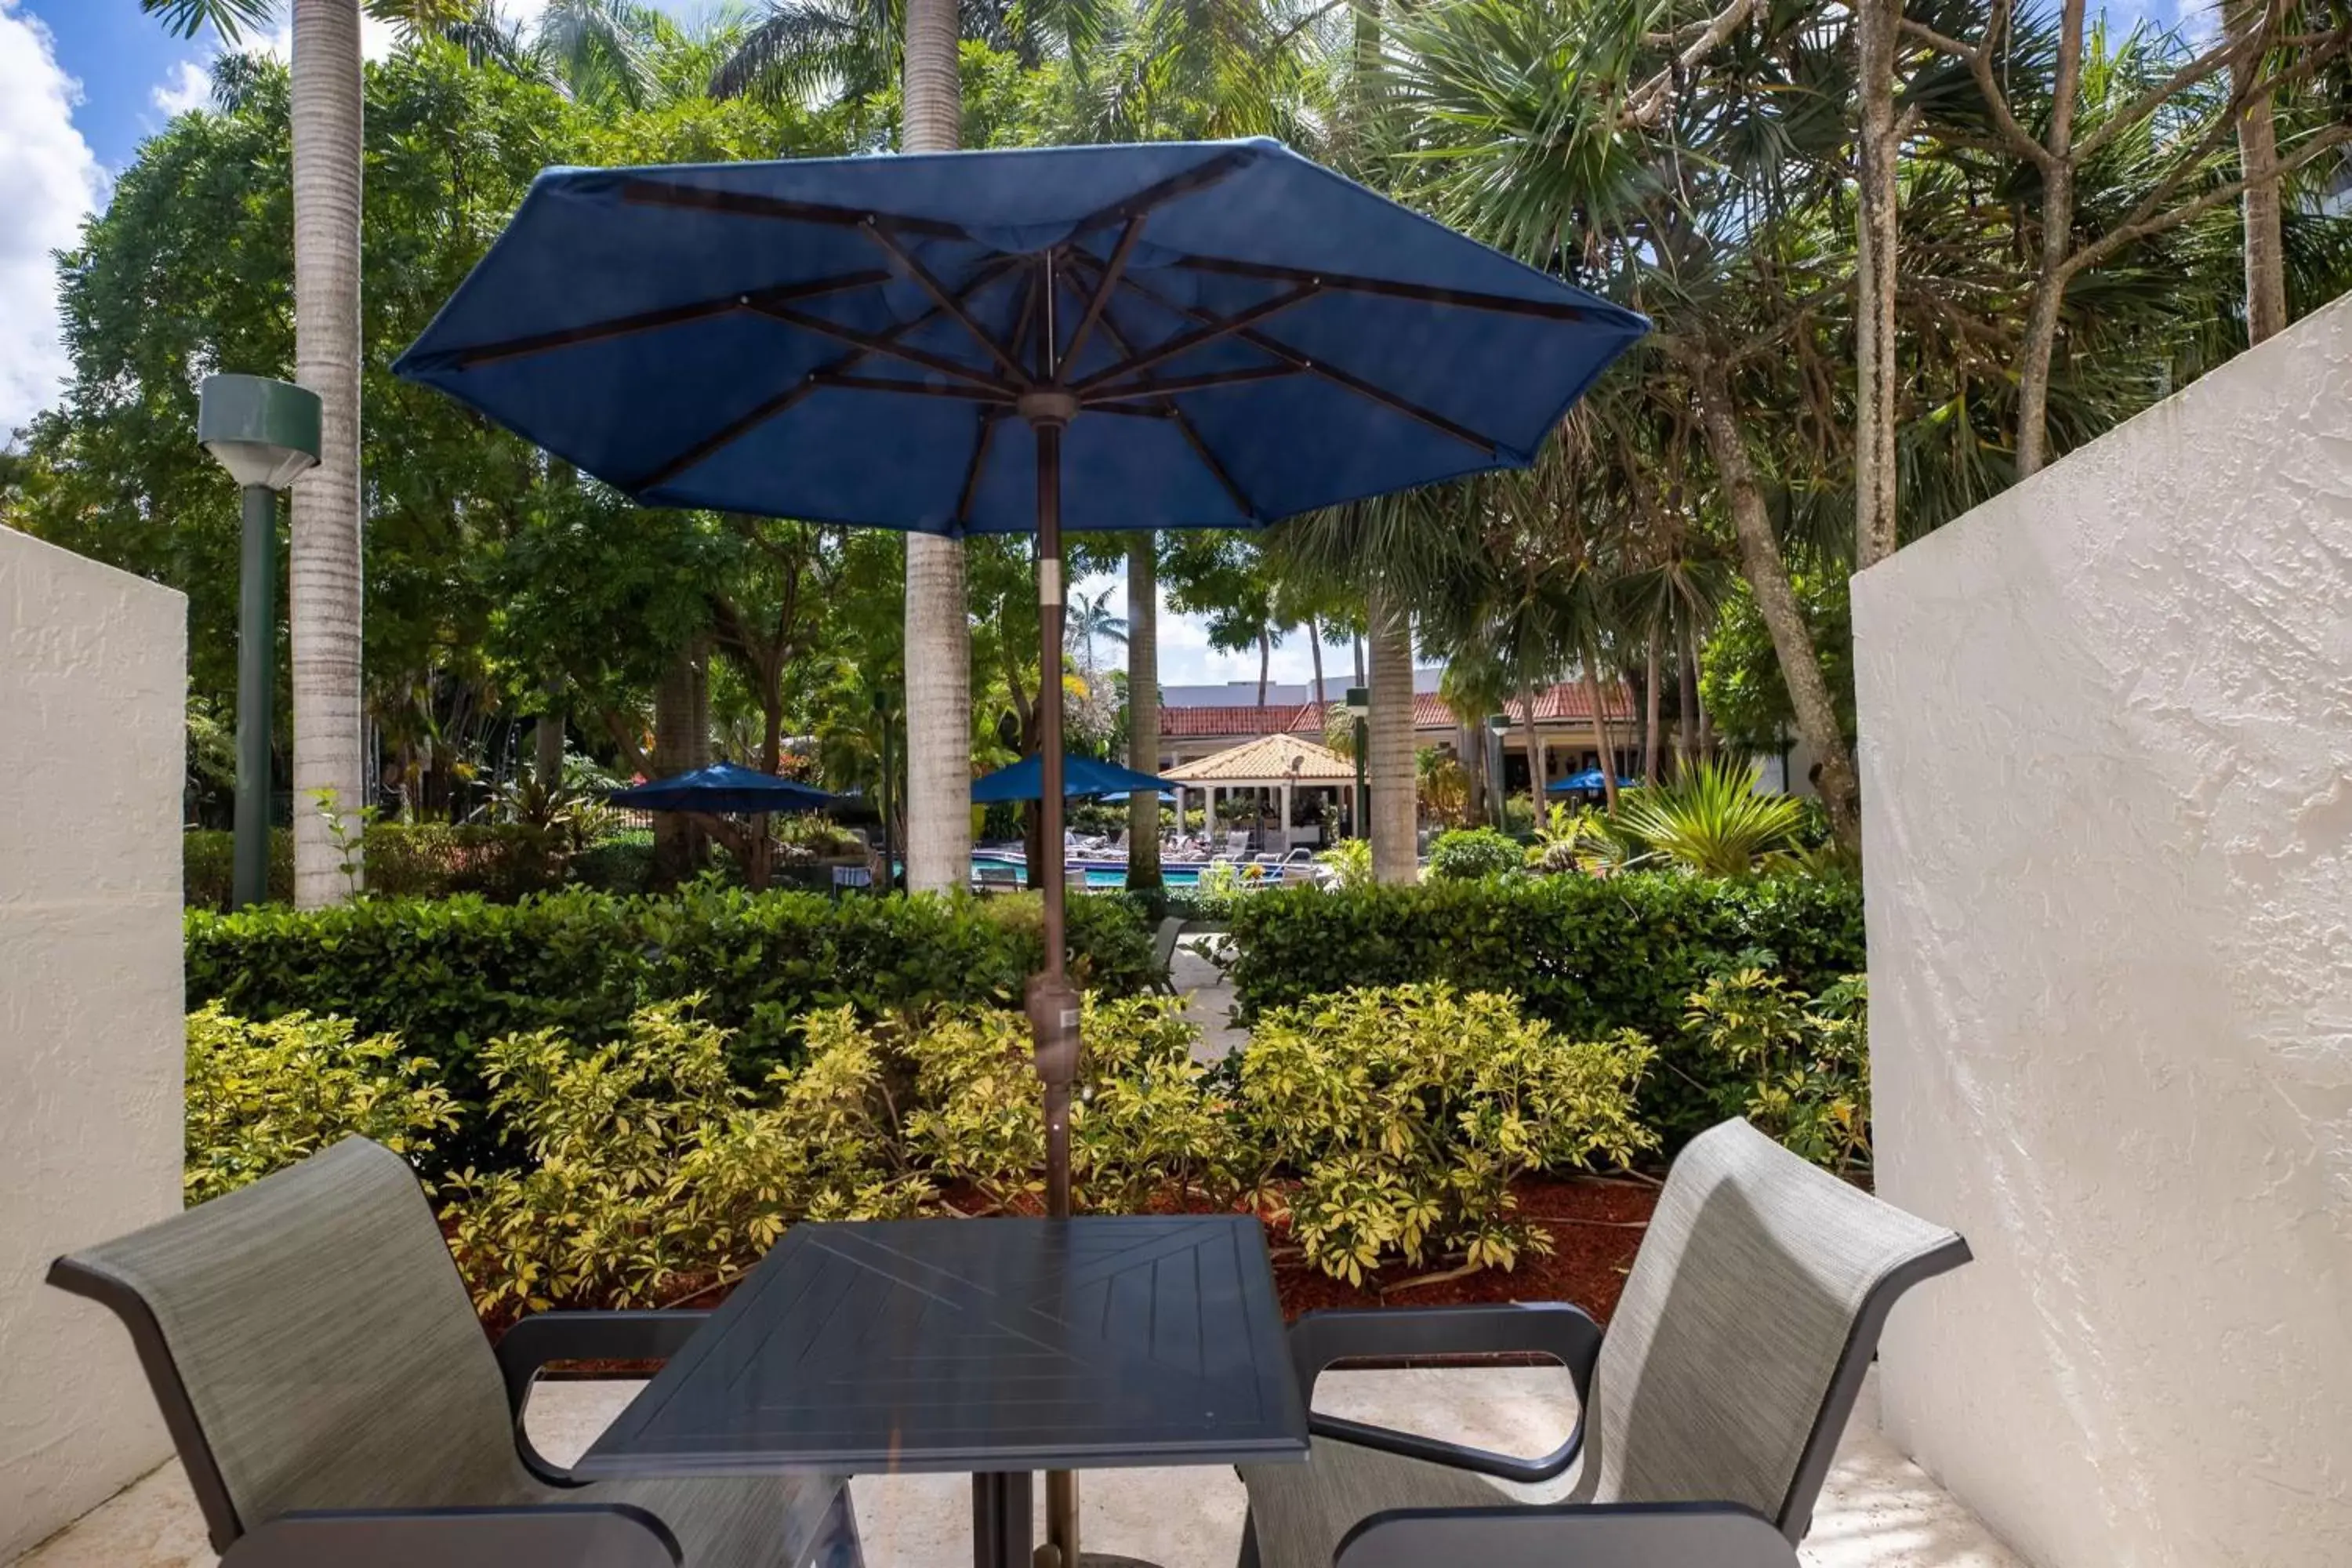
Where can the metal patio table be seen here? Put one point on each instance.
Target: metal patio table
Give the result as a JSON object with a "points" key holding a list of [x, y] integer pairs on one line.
{"points": [[998, 1347]]}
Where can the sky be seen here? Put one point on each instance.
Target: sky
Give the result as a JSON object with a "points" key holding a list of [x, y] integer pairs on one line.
{"points": [[83, 83]]}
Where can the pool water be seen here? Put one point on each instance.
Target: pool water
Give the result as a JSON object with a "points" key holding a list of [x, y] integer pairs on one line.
{"points": [[1103, 876]]}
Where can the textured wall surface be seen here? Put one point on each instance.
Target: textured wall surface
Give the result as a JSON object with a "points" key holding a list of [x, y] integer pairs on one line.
{"points": [[92, 684], [2107, 768]]}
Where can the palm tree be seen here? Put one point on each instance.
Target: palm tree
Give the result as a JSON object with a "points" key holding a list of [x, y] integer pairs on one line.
{"points": [[1143, 709], [1092, 618], [323, 566]]}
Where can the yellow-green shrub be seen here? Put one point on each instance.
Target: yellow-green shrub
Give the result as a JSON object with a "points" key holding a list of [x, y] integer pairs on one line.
{"points": [[652, 1169], [263, 1096], [1407, 1111], [1801, 1063]]}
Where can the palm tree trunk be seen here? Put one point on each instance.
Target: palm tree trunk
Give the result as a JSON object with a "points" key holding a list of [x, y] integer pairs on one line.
{"points": [[1768, 577], [1686, 669], [1143, 709], [2258, 165], [1315, 649], [2057, 224], [939, 629], [1388, 761], [1264, 660], [1600, 735], [672, 754], [1535, 758], [547, 747], [1651, 671], [323, 592], [1876, 238]]}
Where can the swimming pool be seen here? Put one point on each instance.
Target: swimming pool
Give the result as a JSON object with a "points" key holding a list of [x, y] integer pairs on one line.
{"points": [[1102, 877]]}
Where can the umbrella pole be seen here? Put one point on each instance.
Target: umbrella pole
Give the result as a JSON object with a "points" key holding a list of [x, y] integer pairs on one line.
{"points": [[1052, 1002]]}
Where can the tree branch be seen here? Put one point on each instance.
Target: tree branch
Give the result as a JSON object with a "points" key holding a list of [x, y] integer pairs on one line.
{"points": [[1646, 102], [2107, 245]]}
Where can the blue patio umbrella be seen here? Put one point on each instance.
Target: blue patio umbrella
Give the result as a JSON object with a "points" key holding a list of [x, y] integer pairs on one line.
{"points": [[1025, 780], [1589, 779], [723, 788], [1177, 335]]}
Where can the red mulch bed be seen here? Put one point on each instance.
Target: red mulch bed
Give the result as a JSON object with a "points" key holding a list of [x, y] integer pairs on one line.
{"points": [[1595, 1224]]}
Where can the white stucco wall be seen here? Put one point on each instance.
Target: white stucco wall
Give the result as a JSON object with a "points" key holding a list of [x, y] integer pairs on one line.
{"points": [[92, 683], [2106, 728]]}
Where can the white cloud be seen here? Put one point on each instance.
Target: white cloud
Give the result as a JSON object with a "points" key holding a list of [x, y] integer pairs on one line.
{"points": [[49, 181], [190, 86]]}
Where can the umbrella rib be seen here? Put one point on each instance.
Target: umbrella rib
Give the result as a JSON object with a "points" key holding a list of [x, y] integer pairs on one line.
{"points": [[1427, 293], [742, 203], [1150, 388], [1362, 388], [734, 429], [987, 423], [946, 302], [910, 389], [883, 344], [1109, 280], [647, 320], [1166, 190], [1192, 438], [1211, 329]]}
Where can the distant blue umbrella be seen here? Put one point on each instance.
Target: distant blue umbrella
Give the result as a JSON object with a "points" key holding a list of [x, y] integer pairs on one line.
{"points": [[1080, 775], [723, 788], [1589, 779], [1180, 335]]}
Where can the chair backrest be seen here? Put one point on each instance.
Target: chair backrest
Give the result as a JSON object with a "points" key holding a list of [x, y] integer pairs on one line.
{"points": [[312, 1346], [1732, 1361]]}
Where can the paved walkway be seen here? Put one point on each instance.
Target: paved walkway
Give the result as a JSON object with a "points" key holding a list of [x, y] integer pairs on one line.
{"points": [[1877, 1510], [1208, 995]]}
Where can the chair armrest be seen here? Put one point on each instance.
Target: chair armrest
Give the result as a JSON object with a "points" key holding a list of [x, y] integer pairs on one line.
{"points": [[553, 1535], [525, 1349], [1622, 1535], [1550, 1328]]}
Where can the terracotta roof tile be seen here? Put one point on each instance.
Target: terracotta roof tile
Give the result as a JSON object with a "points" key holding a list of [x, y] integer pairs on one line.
{"points": [[1563, 703]]}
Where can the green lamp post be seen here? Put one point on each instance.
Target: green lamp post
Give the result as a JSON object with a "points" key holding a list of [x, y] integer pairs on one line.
{"points": [[265, 432], [1358, 704]]}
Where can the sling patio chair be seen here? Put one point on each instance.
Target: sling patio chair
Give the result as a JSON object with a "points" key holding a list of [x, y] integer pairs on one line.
{"points": [[1708, 1411], [334, 1399]]}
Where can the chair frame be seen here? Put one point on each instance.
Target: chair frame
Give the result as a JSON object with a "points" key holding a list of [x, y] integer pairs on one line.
{"points": [[1615, 1535], [544, 1535]]}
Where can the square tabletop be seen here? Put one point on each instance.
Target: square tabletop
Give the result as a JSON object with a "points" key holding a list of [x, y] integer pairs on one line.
{"points": [[980, 1345]]}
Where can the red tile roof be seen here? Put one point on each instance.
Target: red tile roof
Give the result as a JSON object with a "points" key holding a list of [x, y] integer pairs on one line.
{"points": [[1564, 703]]}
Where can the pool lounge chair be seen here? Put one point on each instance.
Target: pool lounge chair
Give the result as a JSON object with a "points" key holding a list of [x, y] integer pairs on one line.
{"points": [[1708, 1412], [334, 1399]]}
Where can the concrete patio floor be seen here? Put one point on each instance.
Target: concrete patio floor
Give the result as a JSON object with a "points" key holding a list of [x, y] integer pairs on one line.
{"points": [[1878, 1510]]}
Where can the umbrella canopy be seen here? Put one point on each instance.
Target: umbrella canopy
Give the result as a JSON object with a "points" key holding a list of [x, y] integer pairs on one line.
{"points": [[864, 340], [1591, 779], [1177, 335], [1025, 780], [724, 787]]}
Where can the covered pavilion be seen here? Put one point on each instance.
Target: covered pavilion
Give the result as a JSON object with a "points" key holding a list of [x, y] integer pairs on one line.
{"points": [[1290, 768]]}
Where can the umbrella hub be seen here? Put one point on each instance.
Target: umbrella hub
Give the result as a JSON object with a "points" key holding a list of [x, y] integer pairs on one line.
{"points": [[1048, 407]]}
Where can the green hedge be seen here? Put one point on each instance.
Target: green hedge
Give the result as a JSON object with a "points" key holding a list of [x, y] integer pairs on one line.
{"points": [[1590, 955], [404, 861], [449, 974]]}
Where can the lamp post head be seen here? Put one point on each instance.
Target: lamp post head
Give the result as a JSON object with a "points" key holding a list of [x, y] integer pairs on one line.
{"points": [[263, 432], [1358, 701], [1498, 722]]}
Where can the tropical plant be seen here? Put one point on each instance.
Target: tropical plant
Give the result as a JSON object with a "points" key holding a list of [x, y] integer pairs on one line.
{"points": [[1408, 1112], [261, 1096], [1469, 854], [1803, 1061], [1351, 860], [1713, 820]]}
